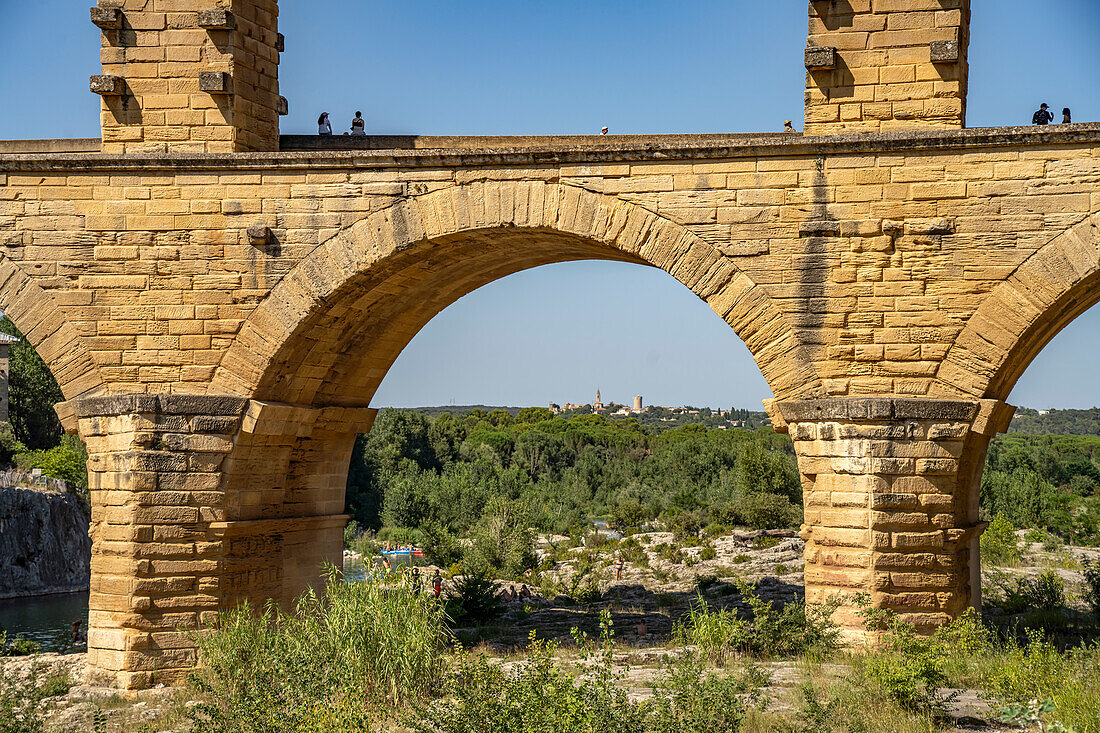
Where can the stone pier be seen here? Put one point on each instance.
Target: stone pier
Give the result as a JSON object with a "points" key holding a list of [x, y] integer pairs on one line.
{"points": [[890, 487]]}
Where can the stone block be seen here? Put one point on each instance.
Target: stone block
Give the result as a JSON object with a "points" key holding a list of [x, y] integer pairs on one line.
{"points": [[820, 58], [107, 85], [216, 19], [107, 18], [258, 235], [215, 82], [945, 52]]}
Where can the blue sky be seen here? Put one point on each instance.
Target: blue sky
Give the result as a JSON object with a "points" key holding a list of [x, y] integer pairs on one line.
{"points": [[439, 66]]}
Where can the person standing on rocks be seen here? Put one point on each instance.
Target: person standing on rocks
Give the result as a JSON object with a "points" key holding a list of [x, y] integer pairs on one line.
{"points": [[1042, 116], [437, 583], [619, 568]]}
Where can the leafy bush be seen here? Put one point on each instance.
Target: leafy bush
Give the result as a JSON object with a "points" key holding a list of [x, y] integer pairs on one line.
{"points": [[501, 544], [9, 445], [791, 629], [1038, 671], [341, 660], [764, 542], [540, 696], [473, 599], [1044, 592], [440, 546], [708, 553], [1092, 586], [67, 460], [999, 544]]}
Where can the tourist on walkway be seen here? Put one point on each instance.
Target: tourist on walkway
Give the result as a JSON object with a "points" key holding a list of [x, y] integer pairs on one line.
{"points": [[787, 126], [1042, 116], [603, 130], [358, 125], [1066, 116], [323, 126]]}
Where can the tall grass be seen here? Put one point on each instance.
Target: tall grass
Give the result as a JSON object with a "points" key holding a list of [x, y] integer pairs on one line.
{"points": [[345, 659]]}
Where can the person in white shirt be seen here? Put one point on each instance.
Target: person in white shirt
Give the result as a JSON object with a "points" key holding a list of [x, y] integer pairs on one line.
{"points": [[323, 125]]}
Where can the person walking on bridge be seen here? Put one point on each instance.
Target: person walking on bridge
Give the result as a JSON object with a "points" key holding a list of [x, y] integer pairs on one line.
{"points": [[1042, 116]]}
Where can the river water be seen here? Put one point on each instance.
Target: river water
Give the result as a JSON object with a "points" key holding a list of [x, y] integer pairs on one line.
{"points": [[46, 619]]}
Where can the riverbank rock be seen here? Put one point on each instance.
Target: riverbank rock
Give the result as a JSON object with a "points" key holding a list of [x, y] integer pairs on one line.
{"points": [[44, 543]]}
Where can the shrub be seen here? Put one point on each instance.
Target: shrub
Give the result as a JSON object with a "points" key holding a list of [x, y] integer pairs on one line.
{"points": [[741, 558], [633, 553], [540, 696], [999, 544], [340, 660], [67, 460], [473, 599], [769, 511], [1038, 671], [9, 445], [1092, 586], [1044, 592], [351, 534], [501, 544], [708, 553], [791, 629], [440, 546], [764, 542], [21, 698]]}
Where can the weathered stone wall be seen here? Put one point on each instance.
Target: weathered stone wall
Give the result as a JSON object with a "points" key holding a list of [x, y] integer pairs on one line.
{"points": [[874, 65], [872, 256], [44, 543], [188, 75]]}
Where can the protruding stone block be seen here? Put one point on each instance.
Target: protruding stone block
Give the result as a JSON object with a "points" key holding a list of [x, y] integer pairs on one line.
{"points": [[258, 234], [819, 58], [107, 85], [945, 52], [283, 106], [215, 82], [216, 19], [107, 18]]}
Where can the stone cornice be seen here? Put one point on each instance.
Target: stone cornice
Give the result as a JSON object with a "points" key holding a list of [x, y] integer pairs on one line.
{"points": [[431, 151]]}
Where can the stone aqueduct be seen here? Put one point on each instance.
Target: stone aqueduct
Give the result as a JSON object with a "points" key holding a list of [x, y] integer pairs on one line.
{"points": [[219, 312]]}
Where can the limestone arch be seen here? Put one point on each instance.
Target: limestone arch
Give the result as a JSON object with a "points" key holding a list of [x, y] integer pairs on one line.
{"points": [[1052, 287], [36, 314], [337, 321]]}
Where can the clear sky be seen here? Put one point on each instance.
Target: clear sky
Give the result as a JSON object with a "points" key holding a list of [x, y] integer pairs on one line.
{"points": [[439, 66]]}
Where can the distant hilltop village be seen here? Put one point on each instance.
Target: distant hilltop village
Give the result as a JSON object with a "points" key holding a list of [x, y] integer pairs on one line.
{"points": [[616, 410]]}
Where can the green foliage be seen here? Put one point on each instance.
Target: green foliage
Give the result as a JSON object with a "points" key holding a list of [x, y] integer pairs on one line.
{"points": [[32, 393], [909, 668], [9, 445], [440, 547], [708, 553], [770, 631], [67, 460], [1044, 592], [1092, 587], [500, 543], [20, 646], [21, 697], [473, 599], [540, 696], [1038, 671], [999, 544], [562, 472], [341, 660]]}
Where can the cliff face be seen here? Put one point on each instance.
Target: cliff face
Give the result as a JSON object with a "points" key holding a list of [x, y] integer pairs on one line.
{"points": [[44, 543]]}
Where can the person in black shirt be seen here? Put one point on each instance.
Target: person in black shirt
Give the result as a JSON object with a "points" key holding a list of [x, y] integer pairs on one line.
{"points": [[1042, 116]]}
